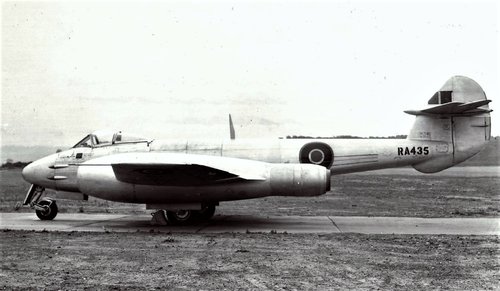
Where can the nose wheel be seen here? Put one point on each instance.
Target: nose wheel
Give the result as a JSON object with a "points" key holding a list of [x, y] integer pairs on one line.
{"points": [[45, 209]]}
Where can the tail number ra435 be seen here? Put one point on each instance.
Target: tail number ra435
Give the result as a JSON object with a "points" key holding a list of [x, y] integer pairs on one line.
{"points": [[406, 151]]}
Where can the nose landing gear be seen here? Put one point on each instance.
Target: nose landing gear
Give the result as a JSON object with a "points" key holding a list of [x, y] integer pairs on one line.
{"points": [[49, 209], [45, 209]]}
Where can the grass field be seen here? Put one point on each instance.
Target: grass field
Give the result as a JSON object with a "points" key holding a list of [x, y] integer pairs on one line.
{"points": [[404, 193]]}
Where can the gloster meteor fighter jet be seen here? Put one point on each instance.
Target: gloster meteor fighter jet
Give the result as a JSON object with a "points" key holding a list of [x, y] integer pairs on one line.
{"points": [[186, 180]]}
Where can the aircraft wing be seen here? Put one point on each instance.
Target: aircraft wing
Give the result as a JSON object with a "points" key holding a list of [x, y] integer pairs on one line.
{"points": [[174, 174]]}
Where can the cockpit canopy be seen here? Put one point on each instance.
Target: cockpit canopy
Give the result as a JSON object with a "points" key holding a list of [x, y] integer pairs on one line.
{"points": [[102, 138]]}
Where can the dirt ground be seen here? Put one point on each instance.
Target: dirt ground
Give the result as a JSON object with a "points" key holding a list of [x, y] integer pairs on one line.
{"points": [[365, 194], [276, 261], [247, 261]]}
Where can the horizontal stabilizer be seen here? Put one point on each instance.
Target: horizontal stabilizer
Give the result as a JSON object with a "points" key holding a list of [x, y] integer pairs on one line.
{"points": [[454, 108], [473, 105]]}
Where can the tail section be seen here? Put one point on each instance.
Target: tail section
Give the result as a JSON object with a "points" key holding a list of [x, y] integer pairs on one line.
{"points": [[459, 116]]}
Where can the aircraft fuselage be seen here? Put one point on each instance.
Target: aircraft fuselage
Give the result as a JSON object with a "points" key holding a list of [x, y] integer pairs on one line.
{"points": [[346, 155]]}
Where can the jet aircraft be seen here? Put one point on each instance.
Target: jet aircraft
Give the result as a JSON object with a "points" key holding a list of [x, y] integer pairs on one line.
{"points": [[186, 180]]}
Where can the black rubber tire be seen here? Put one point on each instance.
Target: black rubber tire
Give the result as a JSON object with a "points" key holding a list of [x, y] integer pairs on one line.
{"points": [[51, 212], [206, 213], [180, 216]]}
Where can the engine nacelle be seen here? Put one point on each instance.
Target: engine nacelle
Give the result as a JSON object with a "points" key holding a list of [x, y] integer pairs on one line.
{"points": [[246, 179]]}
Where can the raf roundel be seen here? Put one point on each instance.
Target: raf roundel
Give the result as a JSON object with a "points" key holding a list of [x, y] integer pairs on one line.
{"points": [[317, 153]]}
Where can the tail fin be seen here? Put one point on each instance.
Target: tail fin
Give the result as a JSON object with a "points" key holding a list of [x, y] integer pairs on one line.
{"points": [[458, 115]]}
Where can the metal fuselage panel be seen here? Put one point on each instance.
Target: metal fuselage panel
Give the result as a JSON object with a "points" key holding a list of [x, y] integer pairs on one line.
{"points": [[349, 155]]}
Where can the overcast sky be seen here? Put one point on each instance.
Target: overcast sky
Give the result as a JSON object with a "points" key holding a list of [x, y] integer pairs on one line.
{"points": [[176, 69]]}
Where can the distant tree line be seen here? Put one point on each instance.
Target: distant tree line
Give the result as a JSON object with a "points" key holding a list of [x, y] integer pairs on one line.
{"points": [[9, 164], [399, 136]]}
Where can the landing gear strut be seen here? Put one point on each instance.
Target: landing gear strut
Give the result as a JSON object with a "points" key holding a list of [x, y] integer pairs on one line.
{"points": [[46, 208]]}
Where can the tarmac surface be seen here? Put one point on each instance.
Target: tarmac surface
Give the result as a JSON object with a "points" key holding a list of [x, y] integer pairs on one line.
{"points": [[469, 171], [241, 224]]}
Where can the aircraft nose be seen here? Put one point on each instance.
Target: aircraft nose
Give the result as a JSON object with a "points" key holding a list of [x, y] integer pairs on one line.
{"points": [[39, 171], [28, 172]]}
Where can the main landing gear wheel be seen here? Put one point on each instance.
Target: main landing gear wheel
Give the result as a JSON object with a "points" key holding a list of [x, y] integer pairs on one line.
{"points": [[180, 216], [183, 216], [49, 209]]}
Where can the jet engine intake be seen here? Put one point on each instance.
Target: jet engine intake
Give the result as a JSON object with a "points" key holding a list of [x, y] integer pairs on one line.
{"points": [[317, 153]]}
